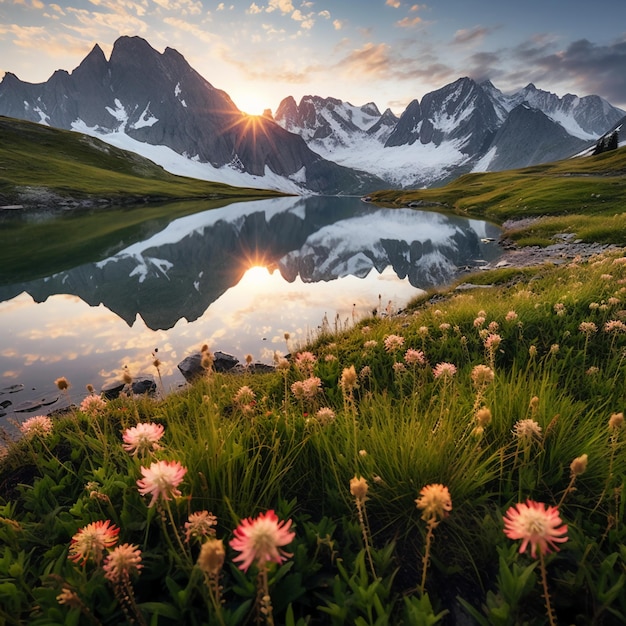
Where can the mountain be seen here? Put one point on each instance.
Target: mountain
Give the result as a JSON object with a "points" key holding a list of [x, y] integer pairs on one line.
{"points": [[158, 99], [464, 126], [328, 123], [157, 105]]}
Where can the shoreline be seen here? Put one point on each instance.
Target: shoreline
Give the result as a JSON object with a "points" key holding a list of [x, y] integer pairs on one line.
{"points": [[566, 248]]}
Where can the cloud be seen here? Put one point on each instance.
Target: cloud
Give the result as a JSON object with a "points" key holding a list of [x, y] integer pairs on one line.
{"points": [[187, 7], [393, 3], [139, 8], [598, 69], [485, 66], [254, 9], [408, 22], [191, 27], [269, 72], [324, 14], [39, 38], [284, 6], [380, 61], [57, 9], [92, 24], [337, 24], [472, 35]]}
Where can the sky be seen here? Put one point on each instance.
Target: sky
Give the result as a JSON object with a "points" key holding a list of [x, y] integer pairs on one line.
{"points": [[384, 51]]}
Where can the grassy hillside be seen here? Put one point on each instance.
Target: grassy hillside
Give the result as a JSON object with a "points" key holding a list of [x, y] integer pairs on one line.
{"points": [[585, 196], [474, 402], [40, 164]]}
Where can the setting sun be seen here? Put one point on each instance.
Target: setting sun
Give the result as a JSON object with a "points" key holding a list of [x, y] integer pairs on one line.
{"points": [[257, 272], [252, 103]]}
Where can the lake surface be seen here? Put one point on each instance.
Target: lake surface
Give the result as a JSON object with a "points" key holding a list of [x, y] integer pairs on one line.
{"points": [[237, 278]]}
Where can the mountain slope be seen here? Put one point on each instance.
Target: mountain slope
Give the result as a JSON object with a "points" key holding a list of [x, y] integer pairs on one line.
{"points": [[51, 168], [158, 99], [584, 197]]}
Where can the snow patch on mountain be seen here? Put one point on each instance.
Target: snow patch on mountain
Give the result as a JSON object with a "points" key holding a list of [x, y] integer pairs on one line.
{"points": [[181, 165], [145, 119], [119, 113], [404, 165], [482, 165]]}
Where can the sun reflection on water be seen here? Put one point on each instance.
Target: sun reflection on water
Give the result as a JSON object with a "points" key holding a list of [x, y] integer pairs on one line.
{"points": [[64, 336]]}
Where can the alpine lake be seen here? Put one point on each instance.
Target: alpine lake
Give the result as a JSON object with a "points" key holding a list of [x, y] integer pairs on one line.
{"points": [[86, 294]]}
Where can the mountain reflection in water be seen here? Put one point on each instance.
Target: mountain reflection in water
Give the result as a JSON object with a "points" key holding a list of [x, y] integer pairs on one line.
{"points": [[319, 252]]}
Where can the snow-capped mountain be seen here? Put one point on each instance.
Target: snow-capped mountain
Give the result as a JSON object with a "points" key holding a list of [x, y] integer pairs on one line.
{"points": [[464, 126], [159, 100], [328, 123], [155, 104]]}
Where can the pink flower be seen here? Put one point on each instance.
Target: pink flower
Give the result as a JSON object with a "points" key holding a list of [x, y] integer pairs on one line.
{"points": [[537, 524], [305, 361], [161, 480], [393, 342], [311, 386], [92, 405], [91, 541], [244, 396], [199, 525], [121, 562], [614, 326], [492, 341], [142, 438], [434, 501], [444, 370], [260, 540], [39, 425], [414, 357], [325, 415]]}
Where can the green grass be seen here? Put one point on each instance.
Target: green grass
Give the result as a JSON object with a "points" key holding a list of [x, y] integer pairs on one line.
{"points": [[593, 187], [400, 429], [75, 166]]}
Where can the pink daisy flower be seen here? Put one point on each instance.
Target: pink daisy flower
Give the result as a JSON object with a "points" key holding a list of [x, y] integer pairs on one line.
{"points": [[260, 540], [305, 362], [537, 524], [142, 438], [121, 562], [444, 370], [414, 357], [393, 342], [90, 541], [92, 405], [161, 480], [39, 425]]}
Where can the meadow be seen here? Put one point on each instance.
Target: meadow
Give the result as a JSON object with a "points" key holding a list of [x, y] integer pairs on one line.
{"points": [[462, 462]]}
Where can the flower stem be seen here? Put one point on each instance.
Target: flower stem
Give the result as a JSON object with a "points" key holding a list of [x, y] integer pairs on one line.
{"points": [[432, 524], [546, 593], [176, 533], [263, 596], [568, 490]]}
